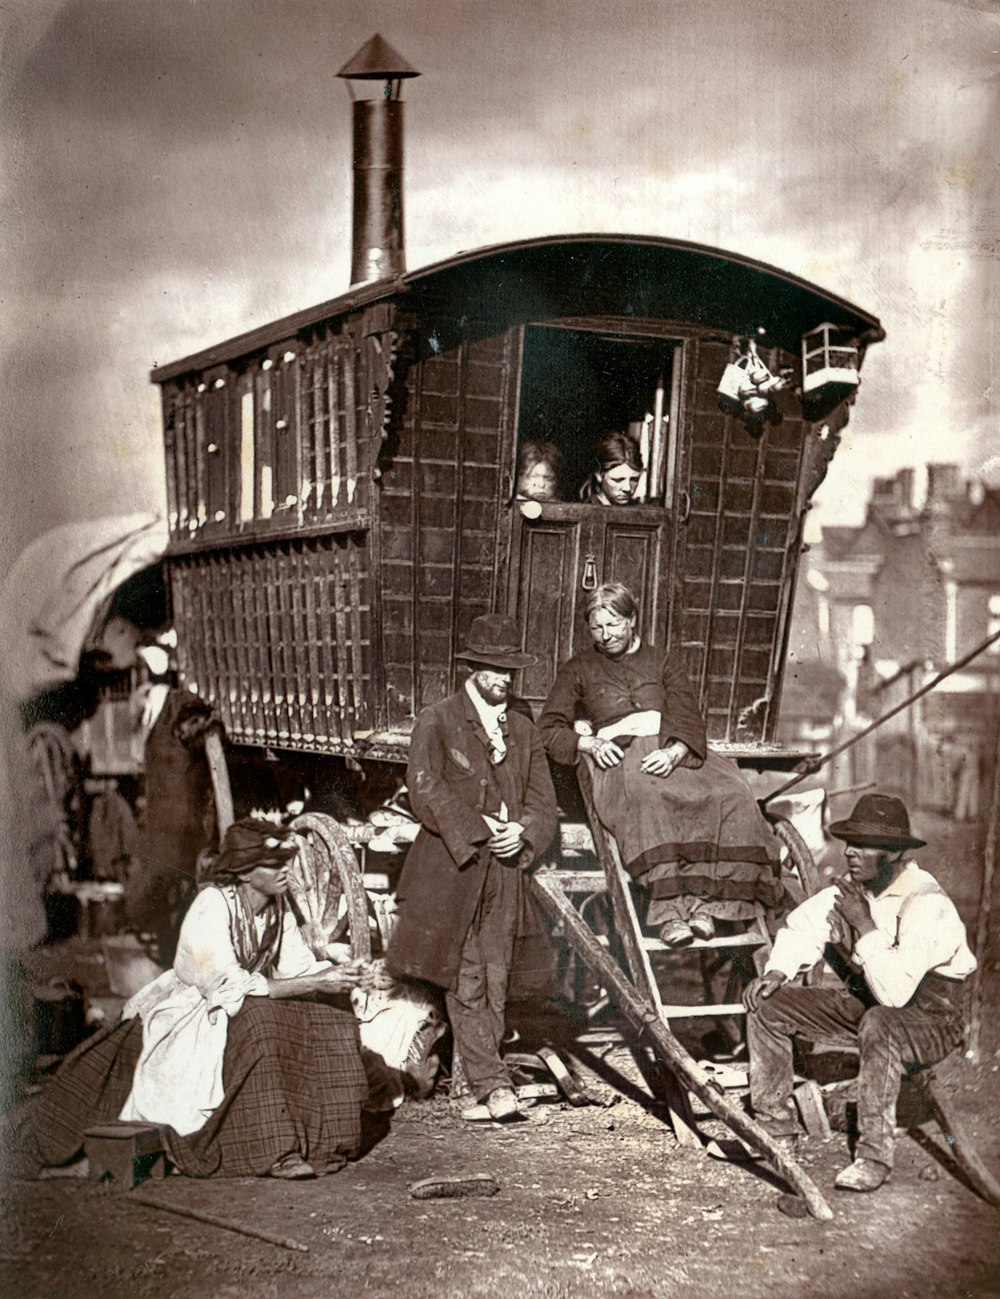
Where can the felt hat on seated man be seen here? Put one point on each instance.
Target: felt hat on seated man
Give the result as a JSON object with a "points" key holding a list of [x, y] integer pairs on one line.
{"points": [[495, 642], [878, 821]]}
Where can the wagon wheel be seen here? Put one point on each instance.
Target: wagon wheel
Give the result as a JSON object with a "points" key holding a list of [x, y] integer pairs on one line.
{"points": [[327, 888], [799, 863], [579, 985]]}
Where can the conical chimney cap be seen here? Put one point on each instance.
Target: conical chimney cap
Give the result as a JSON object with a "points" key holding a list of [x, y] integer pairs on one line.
{"points": [[377, 61]]}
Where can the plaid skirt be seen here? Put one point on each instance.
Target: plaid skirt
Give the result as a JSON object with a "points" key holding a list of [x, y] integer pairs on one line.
{"points": [[293, 1081]]}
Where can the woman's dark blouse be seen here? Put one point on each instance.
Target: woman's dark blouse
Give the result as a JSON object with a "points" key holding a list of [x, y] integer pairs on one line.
{"points": [[604, 690]]}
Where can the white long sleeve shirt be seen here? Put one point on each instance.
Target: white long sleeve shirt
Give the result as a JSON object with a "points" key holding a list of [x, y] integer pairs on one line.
{"points": [[918, 931]]}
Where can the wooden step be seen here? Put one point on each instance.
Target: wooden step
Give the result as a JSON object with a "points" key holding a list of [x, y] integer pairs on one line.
{"points": [[580, 881], [749, 939], [714, 1010]]}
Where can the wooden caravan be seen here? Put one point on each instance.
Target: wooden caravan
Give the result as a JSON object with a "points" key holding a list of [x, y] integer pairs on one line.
{"points": [[341, 484], [343, 502]]}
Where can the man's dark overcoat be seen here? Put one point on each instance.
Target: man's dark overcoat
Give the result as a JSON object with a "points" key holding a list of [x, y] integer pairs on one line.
{"points": [[451, 782]]}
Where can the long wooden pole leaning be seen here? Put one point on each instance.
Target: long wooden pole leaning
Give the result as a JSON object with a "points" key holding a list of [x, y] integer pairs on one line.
{"points": [[646, 1021], [812, 765], [218, 773], [986, 910], [961, 1146]]}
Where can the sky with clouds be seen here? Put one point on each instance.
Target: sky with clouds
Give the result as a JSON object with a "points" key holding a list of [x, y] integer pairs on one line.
{"points": [[178, 171]]}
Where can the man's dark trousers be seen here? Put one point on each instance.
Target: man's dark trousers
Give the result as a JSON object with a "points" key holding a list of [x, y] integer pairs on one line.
{"points": [[888, 1038]]}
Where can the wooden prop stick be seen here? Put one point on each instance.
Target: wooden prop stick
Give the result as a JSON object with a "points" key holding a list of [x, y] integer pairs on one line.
{"points": [[813, 765], [961, 1146], [986, 912], [219, 774], [645, 1020], [226, 1224]]}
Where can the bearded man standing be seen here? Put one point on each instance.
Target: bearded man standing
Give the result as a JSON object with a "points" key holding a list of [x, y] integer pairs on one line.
{"points": [[908, 956], [479, 783]]}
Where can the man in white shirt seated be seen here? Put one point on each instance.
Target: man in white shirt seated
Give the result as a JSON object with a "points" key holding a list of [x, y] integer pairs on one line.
{"points": [[909, 956]]}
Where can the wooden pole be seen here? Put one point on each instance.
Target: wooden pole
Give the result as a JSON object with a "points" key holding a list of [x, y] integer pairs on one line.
{"points": [[226, 1224], [219, 774], [961, 1145], [647, 1022], [813, 765], [985, 912]]}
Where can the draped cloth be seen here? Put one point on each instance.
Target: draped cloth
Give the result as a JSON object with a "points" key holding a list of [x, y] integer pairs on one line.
{"points": [[235, 1079], [696, 833], [292, 1080]]}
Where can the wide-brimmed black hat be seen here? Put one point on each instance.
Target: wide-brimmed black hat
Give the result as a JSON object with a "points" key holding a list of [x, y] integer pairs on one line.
{"points": [[878, 821], [494, 641]]}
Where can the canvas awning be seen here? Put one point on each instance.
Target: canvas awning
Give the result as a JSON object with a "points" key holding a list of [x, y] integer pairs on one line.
{"points": [[59, 586]]}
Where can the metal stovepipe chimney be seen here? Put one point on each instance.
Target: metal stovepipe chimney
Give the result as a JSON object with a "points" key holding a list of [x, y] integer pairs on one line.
{"points": [[377, 251]]}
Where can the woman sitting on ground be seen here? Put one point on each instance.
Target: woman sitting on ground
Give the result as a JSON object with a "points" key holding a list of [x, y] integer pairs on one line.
{"points": [[244, 1077], [686, 823], [616, 473]]}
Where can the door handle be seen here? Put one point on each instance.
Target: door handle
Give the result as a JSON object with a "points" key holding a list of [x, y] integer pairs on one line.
{"points": [[685, 506], [589, 580]]}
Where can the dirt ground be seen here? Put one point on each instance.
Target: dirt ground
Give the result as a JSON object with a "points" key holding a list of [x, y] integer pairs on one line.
{"points": [[592, 1201]]}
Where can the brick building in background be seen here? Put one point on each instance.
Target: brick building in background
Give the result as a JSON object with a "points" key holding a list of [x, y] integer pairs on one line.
{"points": [[887, 605]]}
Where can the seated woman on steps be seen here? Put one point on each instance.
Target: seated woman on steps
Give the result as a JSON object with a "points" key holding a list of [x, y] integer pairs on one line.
{"points": [[234, 1053], [687, 825]]}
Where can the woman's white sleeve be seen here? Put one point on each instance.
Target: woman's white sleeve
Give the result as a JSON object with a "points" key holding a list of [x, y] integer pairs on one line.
{"points": [[295, 957], [205, 955]]}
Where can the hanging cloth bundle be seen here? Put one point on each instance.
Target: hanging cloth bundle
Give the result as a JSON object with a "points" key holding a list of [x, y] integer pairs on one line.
{"points": [[747, 384]]}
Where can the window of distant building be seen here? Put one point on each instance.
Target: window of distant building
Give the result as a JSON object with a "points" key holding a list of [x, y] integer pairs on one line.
{"points": [[862, 625], [993, 620]]}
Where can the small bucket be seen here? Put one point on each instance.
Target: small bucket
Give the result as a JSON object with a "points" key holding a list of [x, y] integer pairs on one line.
{"points": [[127, 965]]}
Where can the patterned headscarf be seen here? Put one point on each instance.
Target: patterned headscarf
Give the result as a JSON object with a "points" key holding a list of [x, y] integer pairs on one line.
{"points": [[249, 843]]}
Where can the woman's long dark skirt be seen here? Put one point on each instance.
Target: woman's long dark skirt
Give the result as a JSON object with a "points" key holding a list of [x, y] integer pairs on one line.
{"points": [[696, 833], [293, 1082]]}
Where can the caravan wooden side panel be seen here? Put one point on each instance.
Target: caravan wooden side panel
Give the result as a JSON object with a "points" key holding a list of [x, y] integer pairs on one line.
{"points": [[441, 490], [736, 554], [282, 444], [279, 637]]}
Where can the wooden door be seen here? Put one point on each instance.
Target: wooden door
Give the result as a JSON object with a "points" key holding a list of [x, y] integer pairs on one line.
{"points": [[566, 551]]}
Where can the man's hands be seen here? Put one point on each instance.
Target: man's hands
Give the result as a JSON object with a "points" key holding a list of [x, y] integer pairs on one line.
{"points": [[851, 909], [661, 762], [336, 979], [758, 990], [507, 838]]}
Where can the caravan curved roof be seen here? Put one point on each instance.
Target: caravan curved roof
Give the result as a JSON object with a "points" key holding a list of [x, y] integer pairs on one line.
{"points": [[626, 276]]}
